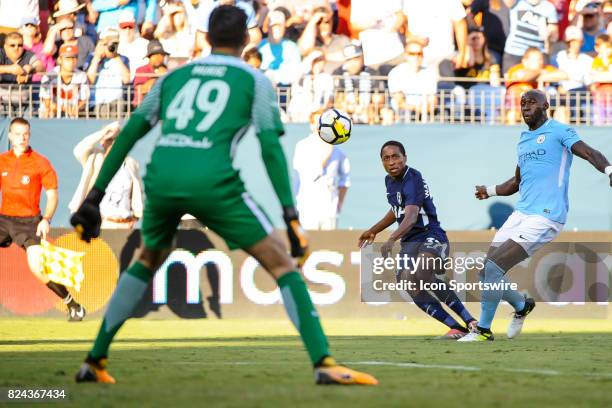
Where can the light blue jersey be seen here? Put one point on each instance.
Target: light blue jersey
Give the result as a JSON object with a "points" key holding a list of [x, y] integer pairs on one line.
{"points": [[545, 158]]}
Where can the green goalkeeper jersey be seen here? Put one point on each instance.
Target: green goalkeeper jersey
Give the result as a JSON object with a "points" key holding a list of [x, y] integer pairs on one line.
{"points": [[205, 108]]}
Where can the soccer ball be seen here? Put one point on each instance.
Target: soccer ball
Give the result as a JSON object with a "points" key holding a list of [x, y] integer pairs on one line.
{"points": [[335, 126]]}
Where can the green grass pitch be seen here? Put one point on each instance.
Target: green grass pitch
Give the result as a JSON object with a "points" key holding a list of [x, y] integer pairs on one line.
{"points": [[244, 363]]}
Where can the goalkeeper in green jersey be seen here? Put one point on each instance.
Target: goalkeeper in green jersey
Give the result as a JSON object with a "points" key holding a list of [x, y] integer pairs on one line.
{"points": [[205, 107]]}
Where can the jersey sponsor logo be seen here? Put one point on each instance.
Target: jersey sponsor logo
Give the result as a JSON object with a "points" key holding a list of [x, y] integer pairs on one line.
{"points": [[533, 155], [25, 180], [178, 140], [540, 139]]}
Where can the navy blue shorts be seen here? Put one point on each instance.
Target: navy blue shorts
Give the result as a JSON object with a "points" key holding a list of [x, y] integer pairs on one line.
{"points": [[430, 243]]}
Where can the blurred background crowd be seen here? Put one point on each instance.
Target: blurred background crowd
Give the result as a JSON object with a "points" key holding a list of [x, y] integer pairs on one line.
{"points": [[384, 61]]}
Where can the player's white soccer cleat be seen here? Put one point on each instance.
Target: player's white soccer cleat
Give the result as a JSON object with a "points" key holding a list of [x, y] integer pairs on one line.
{"points": [[477, 335], [518, 318]]}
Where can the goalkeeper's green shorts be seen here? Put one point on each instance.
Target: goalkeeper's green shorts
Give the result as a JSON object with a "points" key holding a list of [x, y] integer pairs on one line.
{"points": [[234, 217]]}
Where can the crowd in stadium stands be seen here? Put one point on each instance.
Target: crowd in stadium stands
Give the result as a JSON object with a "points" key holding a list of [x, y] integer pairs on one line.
{"points": [[381, 61]]}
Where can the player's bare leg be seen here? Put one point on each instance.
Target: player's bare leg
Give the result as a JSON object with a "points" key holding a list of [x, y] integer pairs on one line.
{"points": [[76, 312], [500, 260], [272, 255], [130, 289]]}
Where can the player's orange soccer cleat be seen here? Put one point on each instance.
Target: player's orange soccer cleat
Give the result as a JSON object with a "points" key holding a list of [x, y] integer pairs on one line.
{"points": [[94, 371], [330, 372]]}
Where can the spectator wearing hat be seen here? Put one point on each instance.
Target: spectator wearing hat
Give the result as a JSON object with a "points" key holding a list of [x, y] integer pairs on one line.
{"points": [[146, 75], [592, 25], [110, 11], [122, 204], [318, 33], [280, 57], [574, 63], [32, 41], [131, 44], [64, 31], [64, 91], [356, 87], [175, 33], [108, 72]]}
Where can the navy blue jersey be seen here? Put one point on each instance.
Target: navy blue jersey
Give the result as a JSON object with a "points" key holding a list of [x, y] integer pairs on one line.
{"points": [[411, 189]]}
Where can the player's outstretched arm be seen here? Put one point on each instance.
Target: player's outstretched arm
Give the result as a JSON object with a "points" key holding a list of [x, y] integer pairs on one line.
{"points": [[593, 156], [507, 188], [411, 214], [368, 236]]}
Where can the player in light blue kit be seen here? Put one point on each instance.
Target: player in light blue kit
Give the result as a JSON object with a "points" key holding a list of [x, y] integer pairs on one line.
{"points": [[545, 154]]}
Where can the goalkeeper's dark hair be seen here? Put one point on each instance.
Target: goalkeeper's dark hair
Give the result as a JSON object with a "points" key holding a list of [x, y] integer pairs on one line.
{"points": [[393, 143], [227, 27]]}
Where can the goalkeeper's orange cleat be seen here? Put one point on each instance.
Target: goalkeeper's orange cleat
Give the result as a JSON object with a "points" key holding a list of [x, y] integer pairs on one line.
{"points": [[91, 371], [330, 372]]}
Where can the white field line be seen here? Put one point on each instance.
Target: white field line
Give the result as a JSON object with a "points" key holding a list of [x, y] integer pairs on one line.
{"points": [[411, 365]]}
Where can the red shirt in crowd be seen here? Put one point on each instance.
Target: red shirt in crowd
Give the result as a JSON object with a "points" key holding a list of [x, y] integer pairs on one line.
{"points": [[21, 181]]}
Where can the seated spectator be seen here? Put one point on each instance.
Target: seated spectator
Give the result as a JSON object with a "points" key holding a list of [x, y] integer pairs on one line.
{"points": [[356, 85], [318, 33], [131, 44], [592, 26], [174, 32], [313, 91], [478, 61], [252, 56], [378, 29], [202, 47], [108, 72], [16, 68], [494, 17], [526, 76], [411, 85], [64, 31], [438, 28], [280, 58], [111, 10], [601, 74], [64, 92], [575, 64], [147, 75], [32, 41]]}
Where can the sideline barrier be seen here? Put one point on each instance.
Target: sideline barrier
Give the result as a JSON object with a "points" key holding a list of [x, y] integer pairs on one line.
{"points": [[201, 269]]}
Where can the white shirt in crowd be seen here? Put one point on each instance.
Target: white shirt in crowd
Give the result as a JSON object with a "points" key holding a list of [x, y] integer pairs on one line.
{"points": [[434, 21], [117, 202], [136, 52], [578, 70], [321, 170]]}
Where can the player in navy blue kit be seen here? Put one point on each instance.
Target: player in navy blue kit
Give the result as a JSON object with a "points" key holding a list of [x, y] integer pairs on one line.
{"points": [[544, 158], [421, 237]]}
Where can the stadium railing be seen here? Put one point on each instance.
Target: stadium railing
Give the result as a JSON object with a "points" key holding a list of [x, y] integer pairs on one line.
{"points": [[369, 101]]}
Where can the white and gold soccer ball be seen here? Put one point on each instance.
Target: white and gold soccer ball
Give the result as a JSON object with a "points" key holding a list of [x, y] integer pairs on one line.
{"points": [[335, 126]]}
